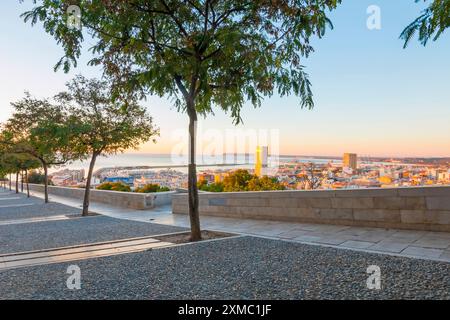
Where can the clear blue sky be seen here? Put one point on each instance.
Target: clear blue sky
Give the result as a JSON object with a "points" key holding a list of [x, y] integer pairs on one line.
{"points": [[372, 97]]}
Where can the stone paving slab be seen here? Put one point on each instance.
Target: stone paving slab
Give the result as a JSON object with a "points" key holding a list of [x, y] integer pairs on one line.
{"points": [[18, 206], [423, 252], [356, 244], [239, 268], [53, 234]]}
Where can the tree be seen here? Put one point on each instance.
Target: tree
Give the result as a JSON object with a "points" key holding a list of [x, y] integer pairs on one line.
{"points": [[264, 183], [311, 178], [152, 187], [242, 180], [237, 181], [114, 186], [38, 178], [41, 129], [26, 163], [430, 24], [213, 187], [201, 53], [18, 163], [103, 126], [12, 165]]}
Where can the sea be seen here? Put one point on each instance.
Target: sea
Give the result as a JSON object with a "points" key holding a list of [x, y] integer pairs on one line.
{"points": [[179, 162]]}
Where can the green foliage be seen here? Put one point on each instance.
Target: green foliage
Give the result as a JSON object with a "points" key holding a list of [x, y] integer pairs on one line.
{"points": [[237, 181], [433, 21], [213, 187], [16, 162], [104, 126], [41, 129], [150, 188], [37, 178], [242, 180], [114, 186], [264, 184], [201, 53]]}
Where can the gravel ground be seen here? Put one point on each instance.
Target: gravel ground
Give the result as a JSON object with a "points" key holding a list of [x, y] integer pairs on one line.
{"points": [[237, 268], [38, 209], [52, 234]]}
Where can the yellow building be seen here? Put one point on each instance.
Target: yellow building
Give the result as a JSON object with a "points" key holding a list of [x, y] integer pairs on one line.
{"points": [[385, 180], [218, 177], [261, 161], [350, 160]]}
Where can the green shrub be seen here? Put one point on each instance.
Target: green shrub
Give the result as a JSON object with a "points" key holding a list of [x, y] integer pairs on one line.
{"points": [[38, 178], [114, 186], [241, 180], [152, 187], [213, 187]]}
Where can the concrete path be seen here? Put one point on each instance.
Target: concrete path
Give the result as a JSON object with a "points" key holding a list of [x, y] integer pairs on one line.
{"points": [[415, 244]]}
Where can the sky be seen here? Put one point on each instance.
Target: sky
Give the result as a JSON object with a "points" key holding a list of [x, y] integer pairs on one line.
{"points": [[372, 97]]}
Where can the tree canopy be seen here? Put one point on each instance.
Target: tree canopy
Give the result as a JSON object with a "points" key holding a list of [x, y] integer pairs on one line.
{"points": [[104, 126], [242, 180], [214, 52], [430, 25], [42, 129]]}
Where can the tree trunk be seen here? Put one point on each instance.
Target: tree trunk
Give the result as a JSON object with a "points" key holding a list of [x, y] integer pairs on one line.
{"points": [[10, 182], [17, 182], [28, 186], [21, 181], [192, 181], [45, 182], [87, 190]]}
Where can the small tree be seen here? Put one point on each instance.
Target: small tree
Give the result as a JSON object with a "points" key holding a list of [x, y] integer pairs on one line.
{"points": [[311, 178], [430, 25], [103, 126], [26, 163], [12, 165], [151, 187], [37, 177], [201, 53], [40, 129], [114, 186]]}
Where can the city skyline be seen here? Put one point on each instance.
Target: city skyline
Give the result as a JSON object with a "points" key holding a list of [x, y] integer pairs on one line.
{"points": [[368, 90]]}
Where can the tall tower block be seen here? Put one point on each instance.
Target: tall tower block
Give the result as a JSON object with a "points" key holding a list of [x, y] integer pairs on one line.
{"points": [[261, 160]]}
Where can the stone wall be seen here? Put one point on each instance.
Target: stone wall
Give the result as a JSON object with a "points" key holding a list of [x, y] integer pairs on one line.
{"points": [[121, 199], [421, 208]]}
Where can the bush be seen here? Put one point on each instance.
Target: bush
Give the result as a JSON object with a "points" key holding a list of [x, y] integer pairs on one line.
{"points": [[241, 180], [114, 186], [36, 177], [213, 187], [150, 188]]}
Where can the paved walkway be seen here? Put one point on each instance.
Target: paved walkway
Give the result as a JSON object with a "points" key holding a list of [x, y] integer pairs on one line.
{"points": [[415, 244]]}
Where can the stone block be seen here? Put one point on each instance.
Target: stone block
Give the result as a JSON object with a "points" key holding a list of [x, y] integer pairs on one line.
{"points": [[283, 203], [335, 214], [319, 203], [379, 215], [438, 203], [376, 192], [415, 203], [389, 203], [250, 202]]}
